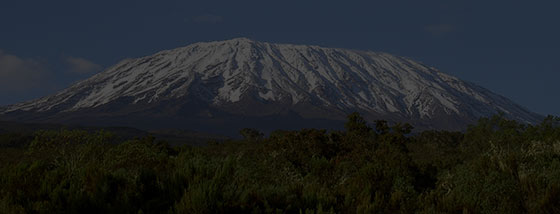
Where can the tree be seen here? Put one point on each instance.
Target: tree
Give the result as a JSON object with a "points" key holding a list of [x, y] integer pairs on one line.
{"points": [[356, 124], [251, 134]]}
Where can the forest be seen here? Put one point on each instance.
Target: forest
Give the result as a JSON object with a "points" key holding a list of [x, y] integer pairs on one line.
{"points": [[495, 166]]}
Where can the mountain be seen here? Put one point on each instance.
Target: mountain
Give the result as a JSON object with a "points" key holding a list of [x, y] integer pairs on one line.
{"points": [[224, 86]]}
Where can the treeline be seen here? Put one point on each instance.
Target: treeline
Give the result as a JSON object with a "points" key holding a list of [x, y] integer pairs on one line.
{"points": [[496, 166]]}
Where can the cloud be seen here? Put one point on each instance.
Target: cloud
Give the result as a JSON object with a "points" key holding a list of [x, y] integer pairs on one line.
{"points": [[19, 74], [207, 19], [440, 29], [82, 66]]}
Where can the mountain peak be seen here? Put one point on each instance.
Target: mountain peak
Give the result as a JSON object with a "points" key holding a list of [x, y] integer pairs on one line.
{"points": [[231, 42], [241, 39]]}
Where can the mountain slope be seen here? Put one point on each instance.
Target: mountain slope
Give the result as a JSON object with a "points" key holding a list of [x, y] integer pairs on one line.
{"points": [[227, 81]]}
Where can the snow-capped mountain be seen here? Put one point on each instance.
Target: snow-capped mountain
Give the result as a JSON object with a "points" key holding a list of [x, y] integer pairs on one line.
{"points": [[241, 80]]}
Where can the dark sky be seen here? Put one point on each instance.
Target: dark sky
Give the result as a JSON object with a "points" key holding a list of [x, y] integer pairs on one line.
{"points": [[511, 48]]}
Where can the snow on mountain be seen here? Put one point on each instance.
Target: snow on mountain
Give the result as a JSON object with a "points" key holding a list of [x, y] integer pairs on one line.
{"points": [[228, 72]]}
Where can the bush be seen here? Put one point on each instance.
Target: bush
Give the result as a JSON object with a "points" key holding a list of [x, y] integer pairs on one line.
{"points": [[496, 166]]}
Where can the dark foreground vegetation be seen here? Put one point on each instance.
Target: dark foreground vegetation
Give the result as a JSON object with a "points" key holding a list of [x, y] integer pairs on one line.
{"points": [[496, 166]]}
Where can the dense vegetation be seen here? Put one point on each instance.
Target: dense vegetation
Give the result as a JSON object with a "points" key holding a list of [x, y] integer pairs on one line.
{"points": [[496, 166]]}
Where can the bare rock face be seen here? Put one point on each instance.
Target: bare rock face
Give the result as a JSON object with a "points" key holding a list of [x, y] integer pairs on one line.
{"points": [[227, 85]]}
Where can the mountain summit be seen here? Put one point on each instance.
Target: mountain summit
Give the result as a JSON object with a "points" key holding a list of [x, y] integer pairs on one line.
{"points": [[226, 85]]}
